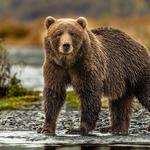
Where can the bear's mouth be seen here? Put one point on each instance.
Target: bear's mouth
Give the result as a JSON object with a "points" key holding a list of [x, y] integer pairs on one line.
{"points": [[65, 53], [66, 50]]}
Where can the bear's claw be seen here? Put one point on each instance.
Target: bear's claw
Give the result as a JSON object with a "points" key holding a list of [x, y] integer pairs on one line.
{"points": [[73, 131], [113, 131], [105, 129], [45, 131], [76, 131]]}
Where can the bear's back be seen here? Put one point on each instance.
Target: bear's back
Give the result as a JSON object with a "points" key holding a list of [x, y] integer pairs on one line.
{"points": [[126, 59], [121, 48]]}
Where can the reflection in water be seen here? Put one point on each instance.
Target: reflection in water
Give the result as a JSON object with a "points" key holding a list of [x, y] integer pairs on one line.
{"points": [[27, 63], [90, 148], [75, 147], [104, 148], [120, 148], [94, 148], [50, 148]]}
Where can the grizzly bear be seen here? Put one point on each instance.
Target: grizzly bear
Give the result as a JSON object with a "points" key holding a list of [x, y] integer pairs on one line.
{"points": [[98, 62]]}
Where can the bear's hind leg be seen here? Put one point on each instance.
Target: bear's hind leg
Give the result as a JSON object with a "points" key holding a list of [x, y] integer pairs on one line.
{"points": [[143, 96], [142, 91], [120, 112]]}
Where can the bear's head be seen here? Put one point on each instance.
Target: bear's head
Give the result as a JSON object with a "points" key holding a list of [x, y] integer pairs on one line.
{"points": [[65, 37]]}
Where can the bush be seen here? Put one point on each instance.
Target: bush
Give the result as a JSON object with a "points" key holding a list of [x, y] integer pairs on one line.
{"points": [[15, 88], [4, 70], [14, 31], [4, 66], [14, 103], [10, 86]]}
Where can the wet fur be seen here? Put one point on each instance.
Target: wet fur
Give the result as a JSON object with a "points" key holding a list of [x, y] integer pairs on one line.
{"points": [[109, 63]]}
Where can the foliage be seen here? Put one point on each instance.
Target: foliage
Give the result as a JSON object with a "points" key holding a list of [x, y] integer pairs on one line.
{"points": [[4, 69], [12, 94], [10, 85], [18, 31], [23, 9], [4, 66], [18, 102], [73, 101], [137, 105], [15, 88], [33, 31]]}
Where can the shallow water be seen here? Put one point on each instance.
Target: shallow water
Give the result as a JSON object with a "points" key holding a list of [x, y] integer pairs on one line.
{"points": [[82, 147], [27, 63], [29, 56], [27, 140], [31, 76]]}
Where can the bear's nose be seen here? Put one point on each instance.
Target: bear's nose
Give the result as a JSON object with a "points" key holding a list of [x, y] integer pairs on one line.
{"points": [[66, 47]]}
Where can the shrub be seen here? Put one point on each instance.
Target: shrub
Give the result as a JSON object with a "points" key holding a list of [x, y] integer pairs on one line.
{"points": [[10, 86], [4, 70]]}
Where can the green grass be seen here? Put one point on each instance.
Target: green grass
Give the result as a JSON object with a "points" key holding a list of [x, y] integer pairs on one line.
{"points": [[137, 106], [73, 102], [13, 103]]}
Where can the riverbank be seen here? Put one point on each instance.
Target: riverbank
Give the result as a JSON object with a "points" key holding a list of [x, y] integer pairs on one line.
{"points": [[23, 120], [18, 128]]}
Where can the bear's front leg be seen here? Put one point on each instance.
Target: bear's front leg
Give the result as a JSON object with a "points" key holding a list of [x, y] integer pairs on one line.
{"points": [[54, 96], [90, 107], [52, 105]]}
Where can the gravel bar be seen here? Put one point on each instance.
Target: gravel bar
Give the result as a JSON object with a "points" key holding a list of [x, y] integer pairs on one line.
{"points": [[28, 120], [19, 127]]}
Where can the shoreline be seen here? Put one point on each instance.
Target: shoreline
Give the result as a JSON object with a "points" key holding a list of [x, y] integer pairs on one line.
{"points": [[19, 128], [29, 119]]}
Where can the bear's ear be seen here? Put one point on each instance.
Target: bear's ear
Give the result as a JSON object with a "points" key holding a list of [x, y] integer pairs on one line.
{"points": [[48, 21], [82, 21]]}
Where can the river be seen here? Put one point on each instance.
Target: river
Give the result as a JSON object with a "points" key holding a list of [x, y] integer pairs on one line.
{"points": [[84, 147], [27, 63]]}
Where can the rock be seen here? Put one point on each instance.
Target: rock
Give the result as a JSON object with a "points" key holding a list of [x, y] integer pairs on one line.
{"points": [[30, 120]]}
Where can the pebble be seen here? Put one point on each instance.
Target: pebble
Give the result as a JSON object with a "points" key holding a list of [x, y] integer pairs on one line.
{"points": [[29, 120]]}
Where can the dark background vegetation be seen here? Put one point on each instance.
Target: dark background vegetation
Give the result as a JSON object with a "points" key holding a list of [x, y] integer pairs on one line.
{"points": [[21, 21], [22, 24], [31, 9]]}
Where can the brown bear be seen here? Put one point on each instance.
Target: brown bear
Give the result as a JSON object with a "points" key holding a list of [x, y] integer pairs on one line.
{"points": [[98, 62]]}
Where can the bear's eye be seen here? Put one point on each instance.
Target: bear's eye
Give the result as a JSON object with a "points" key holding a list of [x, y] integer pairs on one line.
{"points": [[73, 34], [57, 34]]}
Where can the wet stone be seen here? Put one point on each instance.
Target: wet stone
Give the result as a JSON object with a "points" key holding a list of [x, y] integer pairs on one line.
{"points": [[30, 120]]}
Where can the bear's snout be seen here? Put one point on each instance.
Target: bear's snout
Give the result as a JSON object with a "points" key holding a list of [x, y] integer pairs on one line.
{"points": [[66, 47], [66, 44]]}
